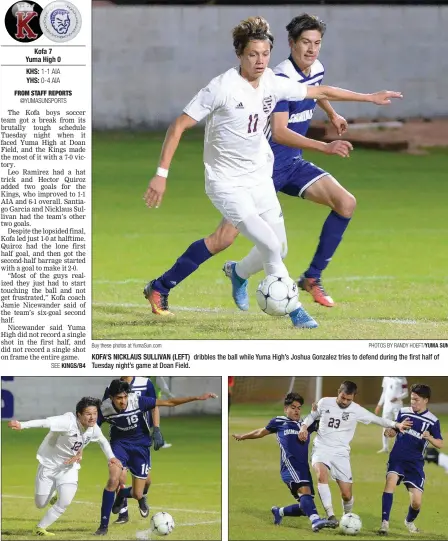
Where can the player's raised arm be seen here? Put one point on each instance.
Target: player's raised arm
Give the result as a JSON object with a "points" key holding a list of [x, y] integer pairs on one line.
{"points": [[254, 435], [333, 93], [171, 402], [366, 417], [60, 423], [157, 185]]}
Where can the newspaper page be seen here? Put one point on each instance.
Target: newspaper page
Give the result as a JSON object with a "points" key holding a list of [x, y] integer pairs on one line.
{"points": [[102, 270]]}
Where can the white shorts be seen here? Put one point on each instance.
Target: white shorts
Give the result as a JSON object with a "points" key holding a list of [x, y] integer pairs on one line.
{"points": [[48, 479], [238, 203], [339, 466]]}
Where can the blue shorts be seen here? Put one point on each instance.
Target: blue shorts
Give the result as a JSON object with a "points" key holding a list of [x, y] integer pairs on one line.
{"points": [[295, 179], [410, 473], [136, 458], [297, 475]]}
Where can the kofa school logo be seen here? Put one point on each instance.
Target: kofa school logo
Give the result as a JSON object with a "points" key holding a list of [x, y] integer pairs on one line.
{"points": [[60, 21], [345, 416], [267, 104], [22, 21]]}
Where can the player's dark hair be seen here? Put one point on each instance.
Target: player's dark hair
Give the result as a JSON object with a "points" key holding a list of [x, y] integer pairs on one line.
{"points": [[348, 387], [422, 390], [253, 28], [87, 402], [118, 386], [293, 397], [305, 22]]}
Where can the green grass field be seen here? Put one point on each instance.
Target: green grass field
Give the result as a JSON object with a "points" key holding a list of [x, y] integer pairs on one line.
{"points": [[186, 484], [255, 486], [389, 276]]}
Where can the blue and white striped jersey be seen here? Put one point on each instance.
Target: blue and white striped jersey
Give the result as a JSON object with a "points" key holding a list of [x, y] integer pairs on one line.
{"points": [[300, 112], [292, 450], [410, 445], [129, 424]]}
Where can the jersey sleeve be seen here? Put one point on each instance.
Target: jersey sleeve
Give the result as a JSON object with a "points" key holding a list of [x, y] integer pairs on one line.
{"points": [[59, 423], [283, 105], [366, 417], [314, 427], [150, 389], [289, 90], [272, 426], [435, 431], [205, 102], [146, 404]]}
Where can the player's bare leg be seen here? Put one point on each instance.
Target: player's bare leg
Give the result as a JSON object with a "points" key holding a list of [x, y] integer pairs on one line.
{"points": [[415, 496], [346, 495], [387, 500], [123, 514], [324, 492], [327, 191]]}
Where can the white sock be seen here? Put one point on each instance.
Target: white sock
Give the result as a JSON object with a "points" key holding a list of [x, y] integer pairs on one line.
{"points": [[325, 496], [348, 506], [313, 518], [443, 461]]}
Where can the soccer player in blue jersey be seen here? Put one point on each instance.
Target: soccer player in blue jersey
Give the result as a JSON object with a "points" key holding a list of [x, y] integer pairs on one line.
{"points": [[141, 386], [292, 175], [294, 466], [406, 459], [130, 441]]}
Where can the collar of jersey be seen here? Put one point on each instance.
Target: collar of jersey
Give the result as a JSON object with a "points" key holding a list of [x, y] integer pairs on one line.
{"points": [[296, 67]]}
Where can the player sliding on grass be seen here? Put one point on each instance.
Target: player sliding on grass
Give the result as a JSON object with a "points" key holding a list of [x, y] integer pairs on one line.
{"points": [[59, 456], [130, 441], [294, 466], [292, 175], [338, 418], [406, 458]]}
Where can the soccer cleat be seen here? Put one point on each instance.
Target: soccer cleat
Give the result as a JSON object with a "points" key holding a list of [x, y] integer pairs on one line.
{"points": [[277, 517], [122, 519], [42, 532], [302, 320], [382, 451], [319, 523], [143, 507], [431, 455], [316, 290], [166, 445], [384, 530], [239, 286], [412, 528], [157, 300], [102, 530], [333, 522]]}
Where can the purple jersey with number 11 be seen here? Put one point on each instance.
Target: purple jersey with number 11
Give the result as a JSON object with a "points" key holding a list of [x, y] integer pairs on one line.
{"points": [[410, 446]]}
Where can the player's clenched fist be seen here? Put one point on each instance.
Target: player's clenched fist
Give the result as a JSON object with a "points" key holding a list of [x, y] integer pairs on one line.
{"points": [[15, 425], [154, 194], [303, 433], [206, 396]]}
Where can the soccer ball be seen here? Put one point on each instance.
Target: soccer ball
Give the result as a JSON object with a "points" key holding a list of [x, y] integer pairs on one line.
{"points": [[350, 524], [277, 296], [161, 523]]}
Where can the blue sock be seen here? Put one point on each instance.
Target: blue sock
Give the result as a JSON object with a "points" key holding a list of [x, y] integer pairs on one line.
{"points": [[388, 498], [412, 514], [292, 511], [330, 238], [307, 505], [106, 507], [196, 254]]}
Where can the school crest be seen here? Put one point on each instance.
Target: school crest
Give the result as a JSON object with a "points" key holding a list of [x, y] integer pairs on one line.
{"points": [[267, 104], [345, 416]]}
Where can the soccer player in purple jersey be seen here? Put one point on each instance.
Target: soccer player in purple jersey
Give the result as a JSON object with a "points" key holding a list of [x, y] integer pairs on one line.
{"points": [[292, 175], [130, 440], [294, 466], [406, 459]]}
